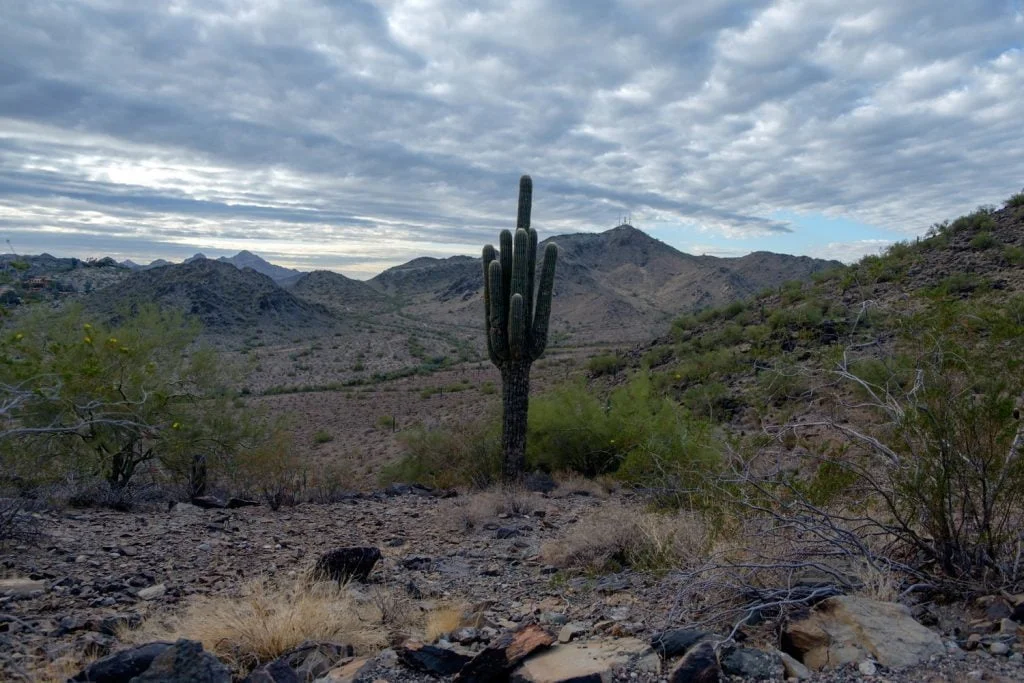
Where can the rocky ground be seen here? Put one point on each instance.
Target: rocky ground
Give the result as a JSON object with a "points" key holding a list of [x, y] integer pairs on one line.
{"points": [[93, 575]]}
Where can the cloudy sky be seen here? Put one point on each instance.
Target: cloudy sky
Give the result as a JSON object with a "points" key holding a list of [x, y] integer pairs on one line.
{"points": [[356, 134]]}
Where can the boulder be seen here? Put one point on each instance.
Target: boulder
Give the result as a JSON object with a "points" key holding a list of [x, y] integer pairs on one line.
{"points": [[123, 666], [847, 629], [503, 654], [595, 661], [430, 659], [347, 564], [314, 659], [276, 671], [152, 593], [700, 665], [347, 672], [185, 662], [751, 665], [675, 642]]}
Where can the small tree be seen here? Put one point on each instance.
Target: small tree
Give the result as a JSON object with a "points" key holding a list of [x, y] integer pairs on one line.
{"points": [[106, 400], [517, 327]]}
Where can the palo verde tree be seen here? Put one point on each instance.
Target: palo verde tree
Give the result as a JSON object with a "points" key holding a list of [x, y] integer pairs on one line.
{"points": [[517, 325]]}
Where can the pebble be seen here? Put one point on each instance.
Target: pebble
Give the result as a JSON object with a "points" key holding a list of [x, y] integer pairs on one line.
{"points": [[867, 667]]}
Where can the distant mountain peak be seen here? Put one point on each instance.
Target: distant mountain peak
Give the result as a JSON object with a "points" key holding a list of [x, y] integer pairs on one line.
{"points": [[247, 259]]}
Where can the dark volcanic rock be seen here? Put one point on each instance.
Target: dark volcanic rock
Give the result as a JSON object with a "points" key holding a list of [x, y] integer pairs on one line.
{"points": [[496, 661], [123, 666], [677, 641], [700, 665], [185, 662], [345, 564], [277, 671], [431, 659]]}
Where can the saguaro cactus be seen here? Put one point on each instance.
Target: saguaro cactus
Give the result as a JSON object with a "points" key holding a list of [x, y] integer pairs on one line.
{"points": [[517, 327]]}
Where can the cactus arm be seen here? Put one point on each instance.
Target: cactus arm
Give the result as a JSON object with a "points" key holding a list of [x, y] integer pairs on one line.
{"points": [[488, 256], [531, 251], [547, 287], [525, 202], [499, 318], [520, 263], [517, 336], [505, 256]]}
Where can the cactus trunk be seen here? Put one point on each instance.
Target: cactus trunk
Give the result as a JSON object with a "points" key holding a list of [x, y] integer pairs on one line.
{"points": [[516, 323], [515, 402]]}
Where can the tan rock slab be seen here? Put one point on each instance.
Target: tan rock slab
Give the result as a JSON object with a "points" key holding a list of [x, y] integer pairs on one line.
{"points": [[574, 660]]}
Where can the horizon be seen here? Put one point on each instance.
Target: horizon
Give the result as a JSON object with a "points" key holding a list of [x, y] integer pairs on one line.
{"points": [[228, 254], [357, 136]]}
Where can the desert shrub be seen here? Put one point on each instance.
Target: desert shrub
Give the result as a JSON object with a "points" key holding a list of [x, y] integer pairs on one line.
{"points": [[322, 436], [270, 467], [1015, 200], [960, 284], [983, 240], [386, 422], [485, 506], [1013, 256], [659, 355], [636, 433], [977, 221], [488, 388], [605, 364], [108, 401], [616, 537], [467, 454]]}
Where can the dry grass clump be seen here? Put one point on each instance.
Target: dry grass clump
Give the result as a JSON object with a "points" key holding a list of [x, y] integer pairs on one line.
{"points": [[442, 620], [479, 508], [574, 483], [616, 537], [267, 620]]}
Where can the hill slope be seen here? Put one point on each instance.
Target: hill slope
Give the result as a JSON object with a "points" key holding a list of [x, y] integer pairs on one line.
{"points": [[227, 300], [338, 293], [613, 286]]}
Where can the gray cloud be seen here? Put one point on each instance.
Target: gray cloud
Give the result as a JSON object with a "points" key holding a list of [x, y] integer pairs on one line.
{"points": [[354, 134]]}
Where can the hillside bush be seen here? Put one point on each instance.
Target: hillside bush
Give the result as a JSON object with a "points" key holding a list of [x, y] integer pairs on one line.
{"points": [[467, 454], [605, 364], [88, 400]]}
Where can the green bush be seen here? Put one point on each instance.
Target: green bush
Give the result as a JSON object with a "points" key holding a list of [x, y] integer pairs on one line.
{"points": [[605, 364], [984, 240], [1016, 200], [109, 400], [323, 436], [1013, 256], [467, 454]]}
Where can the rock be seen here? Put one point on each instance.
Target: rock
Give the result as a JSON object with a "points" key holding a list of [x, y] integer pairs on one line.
{"points": [[347, 672], [276, 671], [675, 642], [867, 667], [116, 623], [417, 563], [700, 665], [613, 584], [792, 668], [505, 653], [751, 664], [123, 666], [555, 618], [506, 532], [185, 662], [493, 569], [569, 632], [314, 659], [846, 629], [208, 502], [595, 661], [1018, 613], [20, 587], [999, 648], [1008, 627], [346, 564], [998, 609], [431, 659], [152, 593], [234, 503]]}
